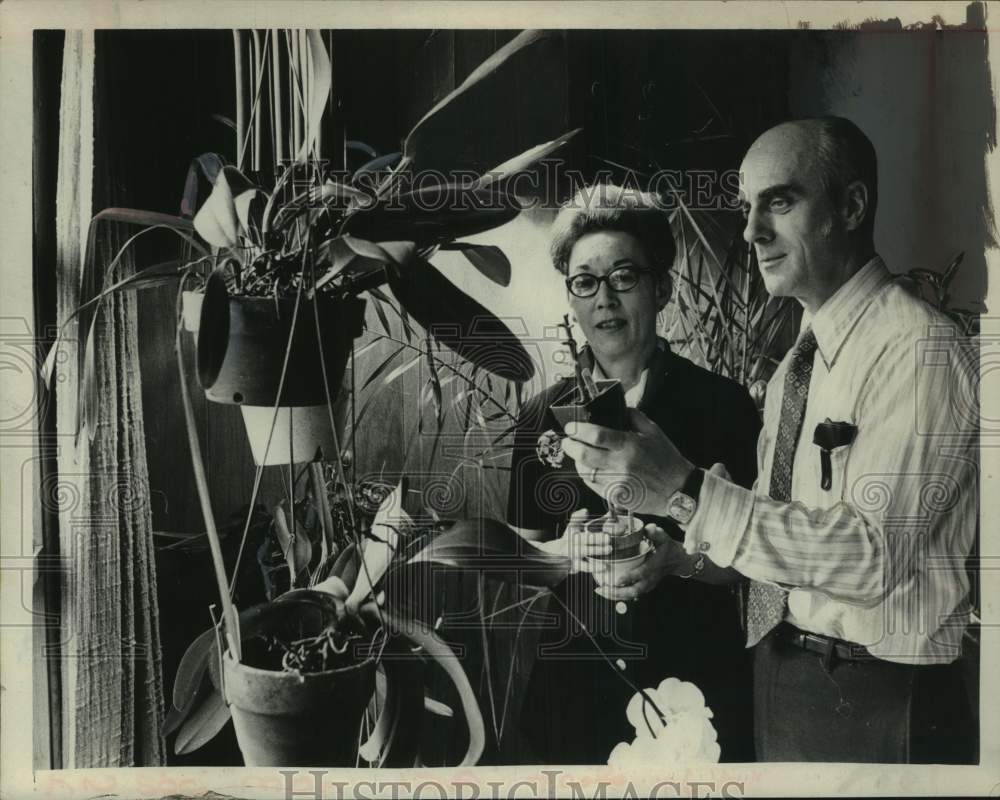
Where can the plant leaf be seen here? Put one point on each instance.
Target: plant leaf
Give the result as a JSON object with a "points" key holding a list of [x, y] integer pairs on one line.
{"points": [[488, 259], [218, 221], [487, 546], [210, 718], [207, 164], [524, 161], [433, 214], [320, 83], [376, 165], [361, 147], [390, 520], [530, 67], [373, 376], [192, 669], [399, 370], [464, 326]]}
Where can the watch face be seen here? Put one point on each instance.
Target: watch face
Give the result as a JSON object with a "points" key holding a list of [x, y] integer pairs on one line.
{"points": [[682, 507]]}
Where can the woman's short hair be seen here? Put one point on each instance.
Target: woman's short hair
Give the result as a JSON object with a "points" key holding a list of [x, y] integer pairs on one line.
{"points": [[608, 207]]}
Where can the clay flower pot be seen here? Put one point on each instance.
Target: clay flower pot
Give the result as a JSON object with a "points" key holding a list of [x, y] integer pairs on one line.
{"points": [[289, 719]]}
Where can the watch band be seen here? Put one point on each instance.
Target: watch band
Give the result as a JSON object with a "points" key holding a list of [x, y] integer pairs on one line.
{"points": [[692, 483]]}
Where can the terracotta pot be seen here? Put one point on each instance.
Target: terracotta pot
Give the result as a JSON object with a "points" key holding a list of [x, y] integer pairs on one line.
{"points": [[242, 343], [284, 719], [298, 432]]}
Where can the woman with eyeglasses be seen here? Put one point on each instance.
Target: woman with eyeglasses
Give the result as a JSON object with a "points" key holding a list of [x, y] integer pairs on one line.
{"points": [[615, 248]]}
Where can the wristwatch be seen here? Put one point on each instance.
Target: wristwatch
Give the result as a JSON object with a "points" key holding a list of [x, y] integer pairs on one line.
{"points": [[684, 502]]}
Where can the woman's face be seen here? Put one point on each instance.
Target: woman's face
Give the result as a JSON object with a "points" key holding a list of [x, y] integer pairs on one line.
{"points": [[618, 325]]}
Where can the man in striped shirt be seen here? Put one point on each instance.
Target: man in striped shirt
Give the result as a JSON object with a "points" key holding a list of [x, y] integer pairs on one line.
{"points": [[866, 505]]}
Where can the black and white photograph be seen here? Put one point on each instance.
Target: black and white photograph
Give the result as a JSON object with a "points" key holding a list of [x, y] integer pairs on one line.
{"points": [[498, 399]]}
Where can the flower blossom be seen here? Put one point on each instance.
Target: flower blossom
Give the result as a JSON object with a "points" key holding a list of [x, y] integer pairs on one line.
{"points": [[685, 735]]}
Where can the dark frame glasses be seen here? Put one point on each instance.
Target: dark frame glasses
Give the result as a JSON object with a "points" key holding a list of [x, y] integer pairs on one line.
{"points": [[620, 279]]}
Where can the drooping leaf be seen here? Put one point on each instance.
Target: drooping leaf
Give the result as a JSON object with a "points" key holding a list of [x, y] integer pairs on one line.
{"points": [[192, 670], [380, 312], [203, 725], [374, 374], [488, 259], [353, 259], [406, 366], [459, 322], [492, 548]]}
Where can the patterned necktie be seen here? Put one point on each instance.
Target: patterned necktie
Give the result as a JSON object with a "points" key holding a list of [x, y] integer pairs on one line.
{"points": [[765, 601]]}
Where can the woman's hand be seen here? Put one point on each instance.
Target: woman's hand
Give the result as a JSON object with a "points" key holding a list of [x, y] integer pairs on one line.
{"points": [[576, 543], [669, 558]]}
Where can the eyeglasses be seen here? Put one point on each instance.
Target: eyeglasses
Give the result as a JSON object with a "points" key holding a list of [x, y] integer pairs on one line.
{"points": [[620, 279]]}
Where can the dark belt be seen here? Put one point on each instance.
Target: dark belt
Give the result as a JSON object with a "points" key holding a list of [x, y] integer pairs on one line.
{"points": [[824, 645]]}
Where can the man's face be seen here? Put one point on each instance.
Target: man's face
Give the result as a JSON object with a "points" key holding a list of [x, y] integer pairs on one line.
{"points": [[617, 324], [793, 225]]}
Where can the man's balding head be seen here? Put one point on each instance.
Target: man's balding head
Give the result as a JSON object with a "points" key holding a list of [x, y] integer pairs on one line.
{"points": [[835, 151]]}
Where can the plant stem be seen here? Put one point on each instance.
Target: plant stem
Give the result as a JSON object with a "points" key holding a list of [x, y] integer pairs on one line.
{"points": [[645, 697]]}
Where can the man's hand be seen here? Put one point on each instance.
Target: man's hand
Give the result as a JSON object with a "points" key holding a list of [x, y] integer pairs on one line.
{"points": [[638, 469], [668, 558], [576, 543]]}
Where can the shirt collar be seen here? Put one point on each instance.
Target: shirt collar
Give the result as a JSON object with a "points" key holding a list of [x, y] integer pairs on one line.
{"points": [[836, 318]]}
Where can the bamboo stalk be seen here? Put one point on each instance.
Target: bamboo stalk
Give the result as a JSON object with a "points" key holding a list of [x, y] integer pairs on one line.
{"points": [[241, 122]]}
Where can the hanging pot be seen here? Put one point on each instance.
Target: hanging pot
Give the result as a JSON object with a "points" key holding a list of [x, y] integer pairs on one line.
{"points": [[299, 432], [242, 343]]}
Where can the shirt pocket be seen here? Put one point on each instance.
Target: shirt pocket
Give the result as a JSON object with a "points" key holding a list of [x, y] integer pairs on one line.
{"points": [[829, 467]]}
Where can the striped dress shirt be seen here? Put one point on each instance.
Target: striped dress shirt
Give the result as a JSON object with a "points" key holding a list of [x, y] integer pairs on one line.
{"points": [[877, 559]]}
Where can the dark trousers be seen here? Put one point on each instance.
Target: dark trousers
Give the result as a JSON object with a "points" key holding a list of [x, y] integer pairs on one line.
{"points": [[811, 708]]}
